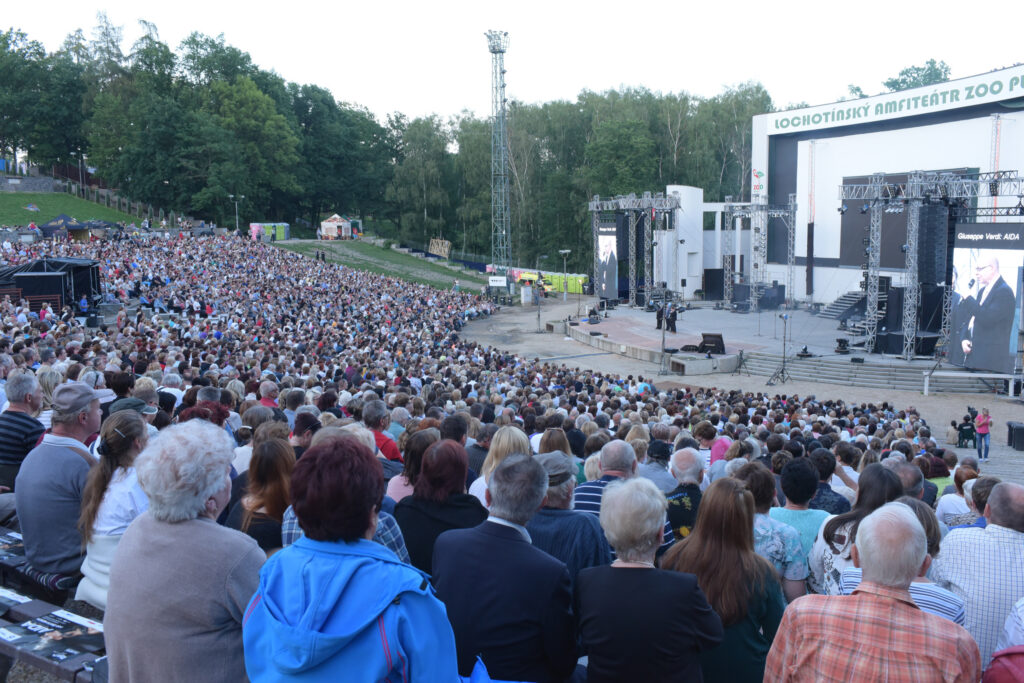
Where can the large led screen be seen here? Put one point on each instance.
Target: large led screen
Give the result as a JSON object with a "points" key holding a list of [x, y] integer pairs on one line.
{"points": [[608, 264], [988, 259]]}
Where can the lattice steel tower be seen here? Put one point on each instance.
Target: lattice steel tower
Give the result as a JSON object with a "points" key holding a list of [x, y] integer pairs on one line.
{"points": [[497, 43]]}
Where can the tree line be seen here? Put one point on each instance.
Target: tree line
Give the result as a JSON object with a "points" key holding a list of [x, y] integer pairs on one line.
{"points": [[186, 128]]}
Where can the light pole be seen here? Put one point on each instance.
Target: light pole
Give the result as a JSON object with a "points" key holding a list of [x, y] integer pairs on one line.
{"points": [[538, 290], [236, 200], [565, 279]]}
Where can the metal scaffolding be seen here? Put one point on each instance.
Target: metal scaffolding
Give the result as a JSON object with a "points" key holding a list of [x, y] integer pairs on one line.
{"points": [[632, 257], [911, 286], [791, 253], [650, 205], [501, 256], [729, 248], [919, 188], [759, 214]]}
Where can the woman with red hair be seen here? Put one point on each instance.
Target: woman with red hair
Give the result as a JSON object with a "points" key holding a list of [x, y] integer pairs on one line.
{"points": [[334, 605], [438, 503]]}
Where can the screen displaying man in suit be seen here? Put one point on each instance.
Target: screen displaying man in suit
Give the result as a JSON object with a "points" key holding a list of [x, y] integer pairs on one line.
{"points": [[608, 267], [989, 315]]}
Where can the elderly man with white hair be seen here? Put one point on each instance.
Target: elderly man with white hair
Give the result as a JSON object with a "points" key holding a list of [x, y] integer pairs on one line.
{"points": [[877, 633], [19, 429], [180, 583]]}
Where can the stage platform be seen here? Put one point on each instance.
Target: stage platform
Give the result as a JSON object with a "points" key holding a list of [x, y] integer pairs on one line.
{"points": [[754, 345]]}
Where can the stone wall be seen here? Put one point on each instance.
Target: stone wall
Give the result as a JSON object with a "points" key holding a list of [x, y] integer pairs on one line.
{"points": [[25, 184]]}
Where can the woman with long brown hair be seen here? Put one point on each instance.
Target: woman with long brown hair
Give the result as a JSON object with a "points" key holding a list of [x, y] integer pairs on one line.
{"points": [[741, 586], [402, 485], [111, 500], [261, 509]]}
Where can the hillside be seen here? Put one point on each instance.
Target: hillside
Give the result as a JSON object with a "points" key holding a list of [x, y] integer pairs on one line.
{"points": [[51, 205], [370, 257]]}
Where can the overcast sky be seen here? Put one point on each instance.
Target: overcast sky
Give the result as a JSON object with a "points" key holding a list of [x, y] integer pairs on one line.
{"points": [[431, 57]]}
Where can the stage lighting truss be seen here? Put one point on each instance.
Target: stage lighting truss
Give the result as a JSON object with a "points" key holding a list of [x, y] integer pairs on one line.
{"points": [[881, 196], [759, 215], [656, 206]]}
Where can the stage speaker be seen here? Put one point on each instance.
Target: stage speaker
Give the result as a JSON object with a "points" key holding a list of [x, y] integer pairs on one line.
{"points": [[773, 297], [714, 284], [92, 321], [929, 315], [893, 320], [933, 244], [740, 292], [713, 343]]}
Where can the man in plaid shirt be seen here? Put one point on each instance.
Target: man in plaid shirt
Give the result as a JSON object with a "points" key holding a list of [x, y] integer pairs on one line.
{"points": [[878, 633]]}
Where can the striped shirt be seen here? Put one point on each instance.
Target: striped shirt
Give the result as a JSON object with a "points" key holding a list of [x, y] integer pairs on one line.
{"points": [[985, 567], [930, 597], [587, 498], [19, 433]]}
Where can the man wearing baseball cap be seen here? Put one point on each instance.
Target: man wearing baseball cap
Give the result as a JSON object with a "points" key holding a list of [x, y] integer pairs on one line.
{"points": [[50, 484]]}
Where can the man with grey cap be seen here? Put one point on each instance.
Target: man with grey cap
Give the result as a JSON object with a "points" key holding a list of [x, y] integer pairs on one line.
{"points": [[51, 481], [568, 535]]}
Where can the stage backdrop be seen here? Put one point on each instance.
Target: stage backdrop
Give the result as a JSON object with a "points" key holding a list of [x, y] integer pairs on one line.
{"points": [[988, 259]]}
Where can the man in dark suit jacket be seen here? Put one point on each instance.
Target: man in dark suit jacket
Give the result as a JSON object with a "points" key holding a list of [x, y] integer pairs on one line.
{"points": [[987, 343], [507, 601]]}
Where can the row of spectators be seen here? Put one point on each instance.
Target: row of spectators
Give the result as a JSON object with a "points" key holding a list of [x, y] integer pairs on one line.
{"points": [[306, 455]]}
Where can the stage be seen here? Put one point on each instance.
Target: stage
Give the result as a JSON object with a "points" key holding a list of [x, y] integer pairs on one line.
{"points": [[754, 345]]}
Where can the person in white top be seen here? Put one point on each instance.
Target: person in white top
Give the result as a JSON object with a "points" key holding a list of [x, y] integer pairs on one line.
{"points": [[111, 501], [953, 504], [507, 441]]}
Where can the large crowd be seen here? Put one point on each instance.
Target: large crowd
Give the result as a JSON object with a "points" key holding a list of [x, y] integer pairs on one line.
{"points": [[271, 467]]}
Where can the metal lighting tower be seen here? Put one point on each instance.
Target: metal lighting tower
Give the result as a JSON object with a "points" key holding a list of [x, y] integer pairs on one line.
{"points": [[497, 43]]}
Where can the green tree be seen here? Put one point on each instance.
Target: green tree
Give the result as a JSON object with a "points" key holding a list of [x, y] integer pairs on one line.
{"points": [[267, 144], [473, 184], [55, 122], [620, 158], [21, 82], [418, 187], [916, 76]]}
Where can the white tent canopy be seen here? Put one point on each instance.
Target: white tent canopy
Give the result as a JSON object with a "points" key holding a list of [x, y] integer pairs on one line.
{"points": [[335, 227]]}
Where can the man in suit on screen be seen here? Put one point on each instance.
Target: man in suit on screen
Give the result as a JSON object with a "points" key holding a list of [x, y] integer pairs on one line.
{"points": [[986, 342]]}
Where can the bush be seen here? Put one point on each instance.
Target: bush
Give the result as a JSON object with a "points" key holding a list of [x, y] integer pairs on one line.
{"points": [[387, 244]]}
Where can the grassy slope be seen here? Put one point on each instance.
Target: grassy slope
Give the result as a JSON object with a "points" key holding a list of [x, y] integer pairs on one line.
{"points": [[51, 205], [366, 256]]}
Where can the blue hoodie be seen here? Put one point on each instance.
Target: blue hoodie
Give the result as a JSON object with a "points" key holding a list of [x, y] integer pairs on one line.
{"points": [[335, 611]]}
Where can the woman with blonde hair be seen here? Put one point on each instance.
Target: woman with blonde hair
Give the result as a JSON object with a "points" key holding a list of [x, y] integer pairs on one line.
{"points": [[637, 432], [507, 441], [49, 379], [742, 587]]}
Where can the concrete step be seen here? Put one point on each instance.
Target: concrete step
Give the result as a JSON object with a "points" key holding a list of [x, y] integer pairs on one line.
{"points": [[880, 374]]}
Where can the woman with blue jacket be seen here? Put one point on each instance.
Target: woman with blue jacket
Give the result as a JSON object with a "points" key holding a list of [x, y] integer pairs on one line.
{"points": [[335, 605]]}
